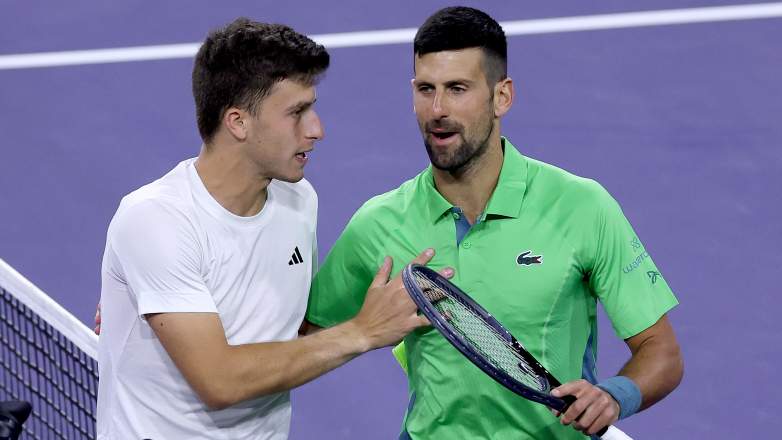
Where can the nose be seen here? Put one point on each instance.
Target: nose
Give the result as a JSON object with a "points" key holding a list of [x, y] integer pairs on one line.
{"points": [[314, 129], [439, 108]]}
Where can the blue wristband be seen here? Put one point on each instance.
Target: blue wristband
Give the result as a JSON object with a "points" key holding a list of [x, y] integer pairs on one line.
{"points": [[625, 392]]}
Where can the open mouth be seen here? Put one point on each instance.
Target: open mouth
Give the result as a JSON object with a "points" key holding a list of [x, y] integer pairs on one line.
{"points": [[302, 155], [443, 135]]}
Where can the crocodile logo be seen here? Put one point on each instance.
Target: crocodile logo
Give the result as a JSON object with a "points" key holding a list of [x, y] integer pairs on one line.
{"points": [[525, 259]]}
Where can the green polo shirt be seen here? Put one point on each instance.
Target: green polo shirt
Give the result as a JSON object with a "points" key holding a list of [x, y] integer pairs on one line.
{"points": [[548, 247]]}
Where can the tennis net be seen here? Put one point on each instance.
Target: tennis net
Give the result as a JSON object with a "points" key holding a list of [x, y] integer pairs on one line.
{"points": [[48, 358]]}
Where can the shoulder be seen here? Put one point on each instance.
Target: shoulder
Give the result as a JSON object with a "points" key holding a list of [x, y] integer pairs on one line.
{"points": [[555, 185], [389, 207], [166, 201]]}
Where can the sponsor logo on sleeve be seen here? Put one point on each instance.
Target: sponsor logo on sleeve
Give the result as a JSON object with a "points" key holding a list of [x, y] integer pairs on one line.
{"points": [[633, 265]]}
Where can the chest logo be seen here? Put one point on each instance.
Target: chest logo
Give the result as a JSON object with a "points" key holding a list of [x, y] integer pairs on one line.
{"points": [[296, 257], [525, 259]]}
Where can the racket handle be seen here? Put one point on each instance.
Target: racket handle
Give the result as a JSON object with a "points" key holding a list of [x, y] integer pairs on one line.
{"points": [[614, 433]]}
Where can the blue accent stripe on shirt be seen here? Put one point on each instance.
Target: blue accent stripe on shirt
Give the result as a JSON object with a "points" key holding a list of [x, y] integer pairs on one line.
{"points": [[589, 363]]}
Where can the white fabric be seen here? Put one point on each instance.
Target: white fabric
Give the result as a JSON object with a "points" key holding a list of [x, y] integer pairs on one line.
{"points": [[172, 248], [614, 433]]}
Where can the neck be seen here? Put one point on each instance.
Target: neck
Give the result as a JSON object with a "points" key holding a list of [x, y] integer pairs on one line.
{"points": [[471, 190], [231, 179]]}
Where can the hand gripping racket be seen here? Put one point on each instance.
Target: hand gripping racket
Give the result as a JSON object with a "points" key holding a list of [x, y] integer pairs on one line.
{"points": [[485, 342]]}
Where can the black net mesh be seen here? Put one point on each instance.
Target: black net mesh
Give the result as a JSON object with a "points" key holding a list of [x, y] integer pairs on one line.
{"points": [[40, 365]]}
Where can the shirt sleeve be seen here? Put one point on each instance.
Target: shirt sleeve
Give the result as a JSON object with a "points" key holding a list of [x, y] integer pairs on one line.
{"points": [[340, 285], [623, 275], [160, 258]]}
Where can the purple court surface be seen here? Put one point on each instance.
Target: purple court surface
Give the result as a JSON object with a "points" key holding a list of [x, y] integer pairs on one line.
{"points": [[681, 123]]}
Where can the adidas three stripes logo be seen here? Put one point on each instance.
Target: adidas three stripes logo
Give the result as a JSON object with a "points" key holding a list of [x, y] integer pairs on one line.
{"points": [[296, 257]]}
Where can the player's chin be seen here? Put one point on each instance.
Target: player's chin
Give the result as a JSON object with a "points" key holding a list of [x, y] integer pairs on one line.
{"points": [[291, 177], [291, 172]]}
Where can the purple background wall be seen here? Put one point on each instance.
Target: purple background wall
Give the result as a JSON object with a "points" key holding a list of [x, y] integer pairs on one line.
{"points": [[680, 123]]}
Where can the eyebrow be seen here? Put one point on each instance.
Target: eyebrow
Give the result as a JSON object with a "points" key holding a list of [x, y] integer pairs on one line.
{"points": [[449, 83], [301, 105], [459, 81]]}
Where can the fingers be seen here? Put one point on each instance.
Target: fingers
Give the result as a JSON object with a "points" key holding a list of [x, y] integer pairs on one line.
{"points": [[424, 257], [597, 417], [574, 411], [384, 272], [447, 272], [422, 321], [593, 409], [589, 416], [569, 389], [381, 277]]}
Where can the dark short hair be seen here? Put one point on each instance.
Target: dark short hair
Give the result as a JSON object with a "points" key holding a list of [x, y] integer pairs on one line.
{"points": [[239, 64], [460, 27]]}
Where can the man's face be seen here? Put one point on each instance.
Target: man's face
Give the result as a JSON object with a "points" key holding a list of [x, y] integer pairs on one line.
{"points": [[283, 131], [454, 107]]}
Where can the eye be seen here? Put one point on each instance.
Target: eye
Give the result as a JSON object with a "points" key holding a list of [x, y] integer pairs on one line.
{"points": [[298, 112], [458, 89], [425, 88]]}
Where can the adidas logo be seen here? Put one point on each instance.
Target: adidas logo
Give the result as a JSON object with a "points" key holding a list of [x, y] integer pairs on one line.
{"points": [[296, 257]]}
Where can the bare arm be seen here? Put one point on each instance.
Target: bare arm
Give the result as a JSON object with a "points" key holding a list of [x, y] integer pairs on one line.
{"points": [[222, 374], [655, 366]]}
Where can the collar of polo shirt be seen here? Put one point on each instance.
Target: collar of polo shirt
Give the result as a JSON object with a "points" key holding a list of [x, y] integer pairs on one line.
{"points": [[505, 201]]}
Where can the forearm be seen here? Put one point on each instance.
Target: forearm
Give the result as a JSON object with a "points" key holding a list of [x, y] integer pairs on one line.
{"points": [[656, 367], [252, 370], [223, 374]]}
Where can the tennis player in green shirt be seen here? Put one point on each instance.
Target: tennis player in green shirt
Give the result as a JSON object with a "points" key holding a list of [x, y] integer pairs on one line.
{"points": [[535, 245]]}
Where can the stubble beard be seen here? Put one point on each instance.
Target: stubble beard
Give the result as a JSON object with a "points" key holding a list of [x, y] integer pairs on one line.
{"points": [[467, 153]]}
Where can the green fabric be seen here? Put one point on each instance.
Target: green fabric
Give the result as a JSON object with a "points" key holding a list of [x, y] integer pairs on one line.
{"points": [[588, 252], [400, 354]]}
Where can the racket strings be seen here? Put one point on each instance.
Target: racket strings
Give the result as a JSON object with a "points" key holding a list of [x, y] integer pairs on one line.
{"points": [[483, 337]]}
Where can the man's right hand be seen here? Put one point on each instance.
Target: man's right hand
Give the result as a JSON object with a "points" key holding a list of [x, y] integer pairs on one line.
{"points": [[388, 313]]}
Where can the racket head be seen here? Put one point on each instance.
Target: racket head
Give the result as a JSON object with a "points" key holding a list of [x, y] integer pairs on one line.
{"points": [[471, 332]]}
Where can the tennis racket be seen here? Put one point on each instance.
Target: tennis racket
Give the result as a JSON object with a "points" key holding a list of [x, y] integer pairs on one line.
{"points": [[485, 342]]}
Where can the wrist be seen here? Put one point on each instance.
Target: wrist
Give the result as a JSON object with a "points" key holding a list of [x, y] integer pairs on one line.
{"points": [[356, 338], [625, 392]]}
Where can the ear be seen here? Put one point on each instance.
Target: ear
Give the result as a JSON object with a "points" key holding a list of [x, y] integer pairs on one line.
{"points": [[236, 121], [412, 86], [503, 97]]}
